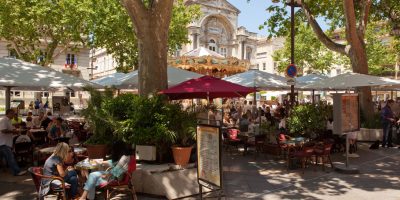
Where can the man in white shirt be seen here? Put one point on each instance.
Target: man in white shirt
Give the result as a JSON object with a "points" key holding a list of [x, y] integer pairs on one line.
{"points": [[6, 141]]}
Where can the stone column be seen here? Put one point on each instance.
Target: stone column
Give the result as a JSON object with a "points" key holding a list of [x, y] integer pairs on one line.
{"points": [[243, 49], [195, 40]]}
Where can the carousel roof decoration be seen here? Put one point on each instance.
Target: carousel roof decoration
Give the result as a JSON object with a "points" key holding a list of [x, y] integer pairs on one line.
{"points": [[207, 62]]}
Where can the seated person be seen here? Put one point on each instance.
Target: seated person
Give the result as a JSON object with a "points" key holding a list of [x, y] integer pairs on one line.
{"points": [[36, 121], [29, 123], [54, 166], [71, 159], [57, 129], [16, 121], [119, 162], [282, 136], [23, 137], [244, 124], [227, 120], [46, 121]]}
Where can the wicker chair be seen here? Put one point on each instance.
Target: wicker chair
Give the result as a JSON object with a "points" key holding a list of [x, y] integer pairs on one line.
{"points": [[37, 176]]}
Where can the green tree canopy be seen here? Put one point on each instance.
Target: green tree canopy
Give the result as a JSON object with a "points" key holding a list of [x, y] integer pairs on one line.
{"points": [[312, 55], [352, 15], [112, 29], [35, 29]]}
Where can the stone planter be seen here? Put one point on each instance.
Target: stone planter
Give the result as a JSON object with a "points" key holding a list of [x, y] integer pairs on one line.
{"points": [[144, 152], [370, 135], [97, 151]]}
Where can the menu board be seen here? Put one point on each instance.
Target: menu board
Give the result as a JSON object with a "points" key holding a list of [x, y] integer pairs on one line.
{"points": [[208, 155], [350, 113]]}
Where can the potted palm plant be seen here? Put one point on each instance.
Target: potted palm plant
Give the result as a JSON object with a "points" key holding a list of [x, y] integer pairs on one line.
{"points": [[97, 117], [183, 123], [147, 126]]}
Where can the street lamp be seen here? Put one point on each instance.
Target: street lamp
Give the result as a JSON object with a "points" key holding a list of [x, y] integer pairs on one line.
{"points": [[292, 4]]}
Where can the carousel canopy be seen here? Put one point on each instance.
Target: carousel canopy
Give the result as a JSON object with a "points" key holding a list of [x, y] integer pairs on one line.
{"points": [[201, 51]]}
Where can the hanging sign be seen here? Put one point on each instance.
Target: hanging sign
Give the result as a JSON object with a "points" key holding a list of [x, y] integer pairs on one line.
{"points": [[291, 71]]}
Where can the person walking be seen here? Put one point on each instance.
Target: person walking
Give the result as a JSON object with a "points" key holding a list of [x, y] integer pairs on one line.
{"points": [[387, 123], [6, 142]]}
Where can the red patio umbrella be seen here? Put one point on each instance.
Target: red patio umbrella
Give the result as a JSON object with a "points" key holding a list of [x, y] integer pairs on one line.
{"points": [[206, 87]]}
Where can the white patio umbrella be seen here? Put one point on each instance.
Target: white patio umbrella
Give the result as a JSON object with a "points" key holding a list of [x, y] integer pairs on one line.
{"points": [[259, 79], [131, 80], [108, 78], [118, 80], [22, 75], [351, 80], [309, 79], [27, 76]]}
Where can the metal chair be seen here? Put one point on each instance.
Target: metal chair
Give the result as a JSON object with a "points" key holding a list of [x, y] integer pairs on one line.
{"points": [[37, 176], [303, 155], [125, 184], [323, 151], [24, 151]]}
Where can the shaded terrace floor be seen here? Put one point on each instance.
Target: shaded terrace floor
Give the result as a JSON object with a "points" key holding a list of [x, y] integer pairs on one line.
{"points": [[266, 177]]}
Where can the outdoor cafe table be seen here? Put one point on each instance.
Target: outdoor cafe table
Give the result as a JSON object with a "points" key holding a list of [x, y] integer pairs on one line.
{"points": [[293, 145], [39, 135], [90, 164], [76, 118]]}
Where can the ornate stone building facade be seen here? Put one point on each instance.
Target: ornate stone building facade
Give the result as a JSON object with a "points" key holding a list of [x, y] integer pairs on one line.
{"points": [[218, 30]]}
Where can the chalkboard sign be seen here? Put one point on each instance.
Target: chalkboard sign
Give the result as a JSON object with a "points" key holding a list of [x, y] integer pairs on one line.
{"points": [[209, 155]]}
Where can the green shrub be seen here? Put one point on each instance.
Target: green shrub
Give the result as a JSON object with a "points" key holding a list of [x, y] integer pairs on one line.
{"points": [[309, 118], [98, 116], [374, 123]]}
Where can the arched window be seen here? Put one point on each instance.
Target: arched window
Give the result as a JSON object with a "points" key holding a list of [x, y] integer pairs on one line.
{"points": [[211, 45]]}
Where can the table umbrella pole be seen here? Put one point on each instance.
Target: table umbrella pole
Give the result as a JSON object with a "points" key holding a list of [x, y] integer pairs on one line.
{"points": [[8, 97], [313, 96], [208, 102]]}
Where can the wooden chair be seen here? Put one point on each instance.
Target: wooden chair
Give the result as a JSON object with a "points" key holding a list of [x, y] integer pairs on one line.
{"points": [[257, 142], [303, 155], [40, 138], [24, 151], [323, 151], [37, 176], [125, 184], [283, 148], [232, 139]]}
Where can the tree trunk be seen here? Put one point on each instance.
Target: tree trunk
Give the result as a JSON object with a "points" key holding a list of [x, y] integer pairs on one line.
{"points": [[358, 59], [152, 62], [358, 56], [151, 24]]}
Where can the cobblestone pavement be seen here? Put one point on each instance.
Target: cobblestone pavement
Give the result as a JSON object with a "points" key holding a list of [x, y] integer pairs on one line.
{"points": [[266, 177]]}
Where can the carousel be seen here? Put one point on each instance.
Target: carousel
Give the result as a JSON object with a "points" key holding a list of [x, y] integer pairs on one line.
{"points": [[207, 62]]}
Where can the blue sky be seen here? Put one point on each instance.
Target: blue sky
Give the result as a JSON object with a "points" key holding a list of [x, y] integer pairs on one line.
{"points": [[254, 13]]}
